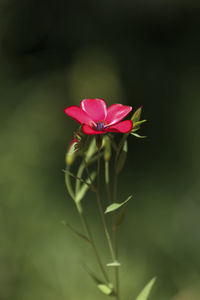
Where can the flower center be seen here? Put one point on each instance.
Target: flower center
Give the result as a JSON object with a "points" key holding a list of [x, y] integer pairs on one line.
{"points": [[99, 125]]}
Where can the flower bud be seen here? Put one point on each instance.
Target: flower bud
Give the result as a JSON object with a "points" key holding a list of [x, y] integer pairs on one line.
{"points": [[71, 153]]}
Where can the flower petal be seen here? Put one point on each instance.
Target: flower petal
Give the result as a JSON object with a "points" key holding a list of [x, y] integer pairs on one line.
{"points": [[116, 113], [77, 114], [123, 127], [95, 108], [89, 130]]}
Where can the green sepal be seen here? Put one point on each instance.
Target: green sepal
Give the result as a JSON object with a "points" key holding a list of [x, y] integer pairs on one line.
{"points": [[76, 232], [146, 290], [114, 206], [122, 158], [136, 125], [136, 120], [137, 114], [138, 136], [113, 264]]}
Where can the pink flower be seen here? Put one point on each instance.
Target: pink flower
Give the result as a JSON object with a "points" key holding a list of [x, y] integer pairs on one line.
{"points": [[97, 119]]}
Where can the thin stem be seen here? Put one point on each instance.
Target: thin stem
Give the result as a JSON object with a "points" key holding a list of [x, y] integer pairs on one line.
{"points": [[121, 143], [87, 230], [85, 224], [101, 211], [112, 221], [112, 252], [115, 235], [115, 200]]}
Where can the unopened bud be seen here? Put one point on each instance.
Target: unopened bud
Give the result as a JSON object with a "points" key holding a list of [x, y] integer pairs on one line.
{"points": [[71, 153]]}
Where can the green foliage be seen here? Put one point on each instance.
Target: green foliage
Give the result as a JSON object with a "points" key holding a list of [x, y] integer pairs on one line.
{"points": [[119, 218], [136, 125], [138, 136], [146, 290], [137, 114], [92, 149], [107, 149], [105, 288], [122, 158], [84, 188], [113, 264], [76, 232], [114, 206], [137, 122]]}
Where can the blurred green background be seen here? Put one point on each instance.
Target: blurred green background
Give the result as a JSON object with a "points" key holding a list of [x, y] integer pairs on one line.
{"points": [[55, 53]]}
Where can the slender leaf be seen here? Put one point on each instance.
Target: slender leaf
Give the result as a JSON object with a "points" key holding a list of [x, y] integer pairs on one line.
{"points": [[146, 290], [138, 136], [105, 288], [136, 125], [85, 186], [77, 178], [113, 264], [114, 206], [76, 232]]}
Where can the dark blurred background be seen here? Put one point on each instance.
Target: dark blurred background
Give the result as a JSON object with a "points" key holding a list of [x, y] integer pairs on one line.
{"points": [[55, 53]]}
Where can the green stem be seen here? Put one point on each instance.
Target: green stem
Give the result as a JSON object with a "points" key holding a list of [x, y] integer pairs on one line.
{"points": [[112, 252], [85, 224], [115, 236], [87, 230], [107, 181], [112, 222], [115, 200], [121, 143]]}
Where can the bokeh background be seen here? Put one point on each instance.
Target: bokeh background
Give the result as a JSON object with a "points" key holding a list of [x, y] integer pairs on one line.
{"points": [[55, 53]]}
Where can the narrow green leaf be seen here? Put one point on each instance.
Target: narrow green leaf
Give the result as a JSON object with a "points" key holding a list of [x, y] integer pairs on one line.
{"points": [[122, 158], [136, 125], [139, 122], [114, 206], [113, 264], [77, 178], [138, 136], [85, 186], [76, 232], [106, 288], [146, 290], [119, 218]]}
